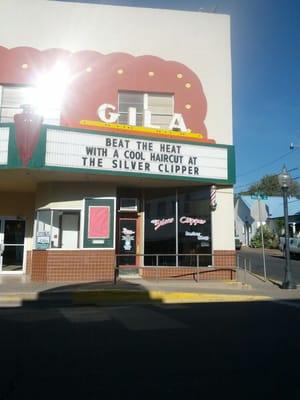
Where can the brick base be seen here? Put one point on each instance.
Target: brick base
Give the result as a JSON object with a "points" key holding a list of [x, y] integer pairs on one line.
{"points": [[95, 265], [68, 265], [224, 268], [224, 258], [188, 273]]}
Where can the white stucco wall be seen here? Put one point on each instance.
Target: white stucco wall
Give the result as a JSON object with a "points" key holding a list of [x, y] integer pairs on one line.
{"points": [[223, 221], [70, 195], [199, 40], [242, 213]]}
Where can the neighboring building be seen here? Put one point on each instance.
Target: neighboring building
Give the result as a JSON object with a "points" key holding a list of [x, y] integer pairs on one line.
{"points": [[115, 139], [277, 214], [250, 213]]}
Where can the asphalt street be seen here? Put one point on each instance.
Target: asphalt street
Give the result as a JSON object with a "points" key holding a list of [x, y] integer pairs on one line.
{"points": [[275, 263], [248, 350]]}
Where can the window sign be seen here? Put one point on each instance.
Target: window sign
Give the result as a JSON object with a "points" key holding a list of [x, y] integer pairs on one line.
{"points": [[158, 223], [43, 240], [99, 220], [98, 225], [127, 241]]}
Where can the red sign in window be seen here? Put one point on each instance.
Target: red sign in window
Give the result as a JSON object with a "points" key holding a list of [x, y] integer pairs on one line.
{"points": [[99, 217]]}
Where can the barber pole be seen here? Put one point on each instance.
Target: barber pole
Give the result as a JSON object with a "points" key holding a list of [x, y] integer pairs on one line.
{"points": [[213, 198]]}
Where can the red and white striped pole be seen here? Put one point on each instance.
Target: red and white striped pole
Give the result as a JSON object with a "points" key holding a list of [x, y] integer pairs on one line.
{"points": [[213, 197]]}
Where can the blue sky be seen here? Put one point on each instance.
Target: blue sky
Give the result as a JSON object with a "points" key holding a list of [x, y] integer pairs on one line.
{"points": [[266, 80]]}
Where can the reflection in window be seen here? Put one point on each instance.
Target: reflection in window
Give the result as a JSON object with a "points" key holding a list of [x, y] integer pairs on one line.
{"points": [[160, 228], [12, 98], [58, 229], [191, 237], [194, 227]]}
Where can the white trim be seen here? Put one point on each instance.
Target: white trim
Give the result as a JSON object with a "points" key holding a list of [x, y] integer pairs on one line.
{"points": [[81, 233], [83, 249], [145, 100], [58, 209]]}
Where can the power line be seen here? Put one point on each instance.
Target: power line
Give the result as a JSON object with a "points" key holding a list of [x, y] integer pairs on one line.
{"points": [[257, 181], [265, 165]]}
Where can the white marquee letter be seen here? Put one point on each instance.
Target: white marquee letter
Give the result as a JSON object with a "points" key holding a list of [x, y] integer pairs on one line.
{"points": [[177, 122], [132, 116], [105, 116], [147, 120]]}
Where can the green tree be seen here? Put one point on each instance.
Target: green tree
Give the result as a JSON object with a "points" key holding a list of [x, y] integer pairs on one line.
{"points": [[279, 226], [271, 240], [269, 185]]}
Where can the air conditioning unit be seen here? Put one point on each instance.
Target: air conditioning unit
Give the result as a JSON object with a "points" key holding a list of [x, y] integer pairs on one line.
{"points": [[128, 204]]}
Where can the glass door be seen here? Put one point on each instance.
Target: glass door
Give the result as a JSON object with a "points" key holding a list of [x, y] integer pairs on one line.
{"points": [[127, 241], [12, 237]]}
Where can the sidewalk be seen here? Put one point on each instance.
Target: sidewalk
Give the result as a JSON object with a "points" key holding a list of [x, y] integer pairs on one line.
{"points": [[18, 290]]}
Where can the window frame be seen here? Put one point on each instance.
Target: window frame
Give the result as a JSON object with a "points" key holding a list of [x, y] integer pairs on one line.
{"points": [[145, 97], [66, 211], [47, 119]]}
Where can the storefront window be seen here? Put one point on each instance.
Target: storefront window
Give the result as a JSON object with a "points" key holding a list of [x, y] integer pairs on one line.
{"points": [[160, 227], [178, 222], [58, 229], [194, 227]]}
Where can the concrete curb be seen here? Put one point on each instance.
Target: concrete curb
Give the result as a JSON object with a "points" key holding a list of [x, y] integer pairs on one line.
{"points": [[121, 296], [168, 297], [28, 296]]}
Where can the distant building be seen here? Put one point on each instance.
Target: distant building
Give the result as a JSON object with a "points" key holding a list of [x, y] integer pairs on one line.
{"points": [[248, 217]]}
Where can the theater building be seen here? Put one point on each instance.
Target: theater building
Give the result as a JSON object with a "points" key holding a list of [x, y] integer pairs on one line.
{"points": [[115, 142]]}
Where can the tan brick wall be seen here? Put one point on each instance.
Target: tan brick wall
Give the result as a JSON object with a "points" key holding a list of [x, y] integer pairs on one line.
{"points": [[224, 258], [39, 265], [28, 263], [224, 268], [95, 265], [201, 273], [68, 265]]}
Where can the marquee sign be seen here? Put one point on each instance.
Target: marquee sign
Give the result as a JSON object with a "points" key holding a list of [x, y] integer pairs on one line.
{"points": [[117, 154]]}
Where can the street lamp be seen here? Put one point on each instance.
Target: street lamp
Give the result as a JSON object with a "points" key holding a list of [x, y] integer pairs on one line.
{"points": [[285, 181]]}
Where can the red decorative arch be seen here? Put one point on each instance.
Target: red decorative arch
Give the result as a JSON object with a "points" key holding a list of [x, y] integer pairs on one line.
{"points": [[97, 78]]}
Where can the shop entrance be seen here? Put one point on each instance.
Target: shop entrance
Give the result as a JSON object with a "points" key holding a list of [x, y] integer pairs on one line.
{"points": [[127, 244], [12, 236]]}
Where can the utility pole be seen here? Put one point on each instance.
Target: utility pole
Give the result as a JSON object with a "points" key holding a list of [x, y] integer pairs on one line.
{"points": [[260, 196], [262, 239]]}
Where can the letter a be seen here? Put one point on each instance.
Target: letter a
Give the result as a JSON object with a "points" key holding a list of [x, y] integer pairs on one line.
{"points": [[177, 122]]}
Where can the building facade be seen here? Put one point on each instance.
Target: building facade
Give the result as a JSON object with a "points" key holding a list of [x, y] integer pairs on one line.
{"points": [[115, 142], [251, 213]]}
